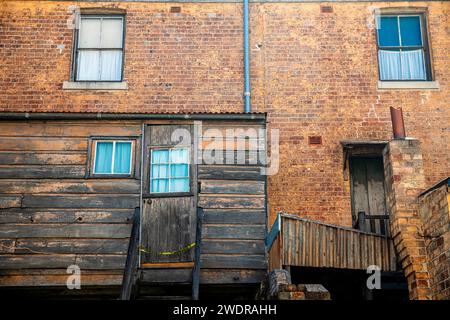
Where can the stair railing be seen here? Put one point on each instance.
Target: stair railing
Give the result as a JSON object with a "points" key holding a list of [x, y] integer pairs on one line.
{"points": [[131, 264]]}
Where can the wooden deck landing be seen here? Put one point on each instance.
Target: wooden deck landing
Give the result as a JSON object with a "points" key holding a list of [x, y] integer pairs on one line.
{"points": [[295, 241]]}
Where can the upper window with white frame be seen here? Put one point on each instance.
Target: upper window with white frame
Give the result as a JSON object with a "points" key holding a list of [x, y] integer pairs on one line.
{"points": [[403, 53], [99, 48], [113, 157]]}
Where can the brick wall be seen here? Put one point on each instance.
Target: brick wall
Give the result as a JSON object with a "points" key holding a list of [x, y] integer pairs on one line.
{"points": [[404, 181], [314, 73], [435, 215]]}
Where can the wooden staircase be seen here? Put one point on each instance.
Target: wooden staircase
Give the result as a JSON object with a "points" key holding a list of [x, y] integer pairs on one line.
{"points": [[180, 282]]}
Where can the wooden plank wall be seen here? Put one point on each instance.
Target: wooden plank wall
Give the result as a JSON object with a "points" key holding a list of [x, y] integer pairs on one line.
{"points": [[233, 197], [314, 244], [51, 214]]}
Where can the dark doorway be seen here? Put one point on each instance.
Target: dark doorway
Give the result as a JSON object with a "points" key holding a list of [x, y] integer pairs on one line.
{"points": [[368, 194], [345, 284]]}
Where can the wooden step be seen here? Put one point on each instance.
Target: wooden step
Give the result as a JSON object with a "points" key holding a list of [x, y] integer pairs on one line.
{"points": [[163, 275]]}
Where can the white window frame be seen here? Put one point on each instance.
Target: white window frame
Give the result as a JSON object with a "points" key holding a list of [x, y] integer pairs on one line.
{"points": [[424, 47], [77, 49], [113, 155], [169, 174]]}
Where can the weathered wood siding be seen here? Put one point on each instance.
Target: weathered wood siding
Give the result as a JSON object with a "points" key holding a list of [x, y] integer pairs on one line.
{"points": [[308, 243], [52, 214], [233, 197]]}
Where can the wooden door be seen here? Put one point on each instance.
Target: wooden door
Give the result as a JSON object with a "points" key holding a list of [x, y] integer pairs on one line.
{"points": [[169, 200], [367, 184]]}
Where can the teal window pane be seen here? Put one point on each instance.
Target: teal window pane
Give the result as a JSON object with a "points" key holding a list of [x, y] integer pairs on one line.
{"points": [[103, 157], [410, 31], [388, 32], [160, 156], [122, 157], [179, 185], [179, 170], [160, 171], [179, 156], [170, 170], [160, 185]]}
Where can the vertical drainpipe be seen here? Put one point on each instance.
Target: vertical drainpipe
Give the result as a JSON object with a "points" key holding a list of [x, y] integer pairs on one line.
{"points": [[246, 60]]}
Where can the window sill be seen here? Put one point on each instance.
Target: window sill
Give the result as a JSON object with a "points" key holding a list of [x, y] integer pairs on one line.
{"points": [[408, 85], [95, 85]]}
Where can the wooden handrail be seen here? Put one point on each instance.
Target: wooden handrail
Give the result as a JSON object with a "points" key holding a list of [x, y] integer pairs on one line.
{"points": [[198, 245], [362, 217], [131, 264], [274, 231]]}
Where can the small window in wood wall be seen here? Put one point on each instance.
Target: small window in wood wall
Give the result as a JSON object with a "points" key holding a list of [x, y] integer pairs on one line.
{"points": [[112, 157]]}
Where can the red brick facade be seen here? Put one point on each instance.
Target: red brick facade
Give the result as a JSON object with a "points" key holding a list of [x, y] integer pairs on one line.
{"points": [[314, 73], [435, 215]]}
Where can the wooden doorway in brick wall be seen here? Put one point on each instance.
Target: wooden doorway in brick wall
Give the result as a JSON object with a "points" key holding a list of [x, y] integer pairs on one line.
{"points": [[364, 170]]}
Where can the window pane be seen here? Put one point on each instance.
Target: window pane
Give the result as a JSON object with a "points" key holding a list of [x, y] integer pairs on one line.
{"points": [[112, 32], [160, 185], [160, 156], [388, 32], [179, 170], [179, 156], [111, 65], [179, 185], [88, 65], [410, 31], [103, 157], [413, 66], [160, 171], [390, 67], [122, 157], [89, 35]]}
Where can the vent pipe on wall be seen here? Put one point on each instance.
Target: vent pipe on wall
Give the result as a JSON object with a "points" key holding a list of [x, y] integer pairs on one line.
{"points": [[246, 60], [398, 125]]}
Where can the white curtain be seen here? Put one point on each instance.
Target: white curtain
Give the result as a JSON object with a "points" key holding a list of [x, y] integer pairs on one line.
{"points": [[99, 65], [111, 65], [103, 157], [122, 158], [88, 65], [412, 65], [160, 171], [401, 65], [179, 170]]}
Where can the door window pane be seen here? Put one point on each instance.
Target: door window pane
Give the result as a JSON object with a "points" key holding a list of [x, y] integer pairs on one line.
{"points": [[160, 185], [179, 185], [169, 170], [160, 156]]}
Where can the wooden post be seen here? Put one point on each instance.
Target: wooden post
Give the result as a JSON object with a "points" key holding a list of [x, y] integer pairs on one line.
{"points": [[129, 275], [362, 221], [198, 243]]}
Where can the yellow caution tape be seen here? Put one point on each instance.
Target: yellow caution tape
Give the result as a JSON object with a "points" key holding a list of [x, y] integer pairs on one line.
{"points": [[167, 253]]}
